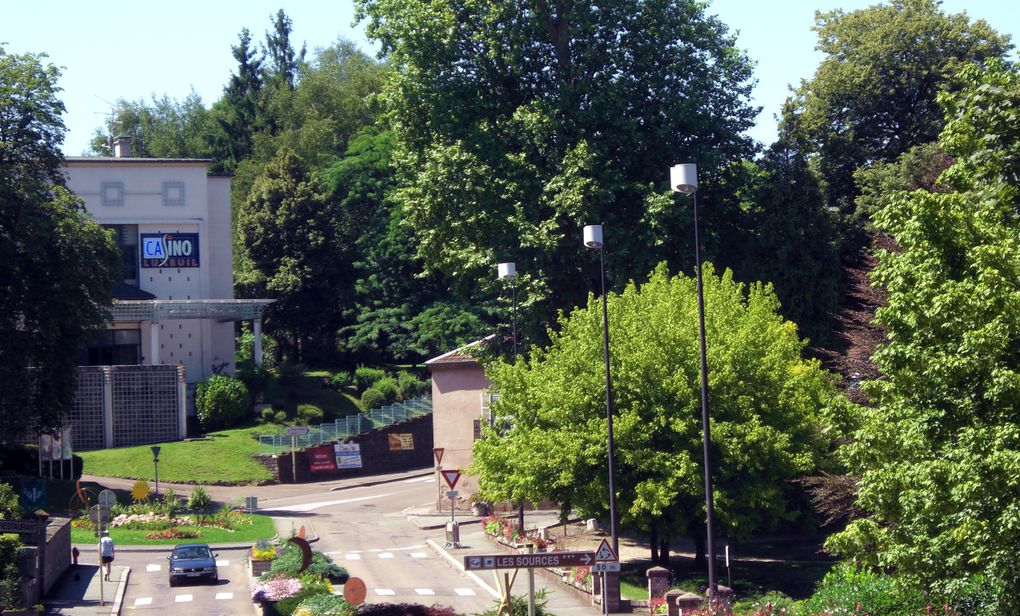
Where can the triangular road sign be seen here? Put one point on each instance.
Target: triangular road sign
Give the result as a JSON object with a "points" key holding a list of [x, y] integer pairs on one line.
{"points": [[451, 478], [438, 453], [605, 553]]}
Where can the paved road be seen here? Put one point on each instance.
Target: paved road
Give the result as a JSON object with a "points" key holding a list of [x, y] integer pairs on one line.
{"points": [[366, 530], [149, 591]]}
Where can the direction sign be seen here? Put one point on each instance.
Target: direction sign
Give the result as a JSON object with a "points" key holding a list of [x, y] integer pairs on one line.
{"points": [[451, 478], [33, 493], [438, 453], [297, 430], [107, 498], [601, 567], [452, 494], [22, 527], [604, 553], [528, 561]]}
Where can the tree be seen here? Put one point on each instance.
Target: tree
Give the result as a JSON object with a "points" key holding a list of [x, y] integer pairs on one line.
{"points": [[767, 405], [873, 95], [289, 236], [238, 112], [517, 125], [57, 266], [163, 129], [937, 458], [284, 62]]}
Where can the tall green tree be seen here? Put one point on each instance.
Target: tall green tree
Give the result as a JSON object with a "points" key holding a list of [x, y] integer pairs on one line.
{"points": [[873, 95], [767, 407], [517, 125], [938, 457], [57, 266], [289, 236], [164, 128], [238, 112]]}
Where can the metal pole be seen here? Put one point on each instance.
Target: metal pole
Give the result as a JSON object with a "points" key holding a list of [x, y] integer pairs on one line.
{"points": [[102, 573], [709, 512], [513, 290], [609, 409], [293, 458], [155, 463], [531, 584]]}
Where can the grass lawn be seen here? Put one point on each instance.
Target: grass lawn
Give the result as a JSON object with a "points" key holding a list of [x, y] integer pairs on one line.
{"points": [[260, 528], [225, 458]]}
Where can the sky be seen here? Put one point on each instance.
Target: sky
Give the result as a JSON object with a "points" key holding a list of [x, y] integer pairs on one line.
{"points": [[112, 49]]}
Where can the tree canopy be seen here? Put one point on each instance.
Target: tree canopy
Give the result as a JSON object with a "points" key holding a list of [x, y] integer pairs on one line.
{"points": [[767, 408], [57, 266], [938, 456]]}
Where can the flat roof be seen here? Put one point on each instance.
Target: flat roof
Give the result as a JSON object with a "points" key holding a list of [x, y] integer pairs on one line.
{"points": [[113, 160]]}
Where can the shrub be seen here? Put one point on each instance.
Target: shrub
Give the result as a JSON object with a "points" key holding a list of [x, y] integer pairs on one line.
{"points": [[311, 586], [255, 378], [365, 377], [310, 414], [409, 386], [10, 577], [388, 388], [199, 502], [289, 561], [325, 605], [372, 398], [847, 589], [341, 380], [10, 508], [246, 348], [220, 402]]}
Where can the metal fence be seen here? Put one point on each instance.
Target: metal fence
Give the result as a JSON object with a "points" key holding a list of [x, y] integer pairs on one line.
{"points": [[273, 444]]}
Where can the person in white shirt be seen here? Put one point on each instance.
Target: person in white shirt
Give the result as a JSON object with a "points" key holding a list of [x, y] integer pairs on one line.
{"points": [[106, 552]]}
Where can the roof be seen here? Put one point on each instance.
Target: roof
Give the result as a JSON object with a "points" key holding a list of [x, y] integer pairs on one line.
{"points": [[114, 160], [459, 355], [126, 291]]}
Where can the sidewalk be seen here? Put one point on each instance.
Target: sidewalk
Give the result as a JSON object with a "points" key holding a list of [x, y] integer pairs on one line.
{"points": [[78, 591], [561, 600]]}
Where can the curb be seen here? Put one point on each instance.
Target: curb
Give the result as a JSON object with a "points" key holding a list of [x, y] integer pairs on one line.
{"points": [[121, 590], [366, 484], [456, 564]]}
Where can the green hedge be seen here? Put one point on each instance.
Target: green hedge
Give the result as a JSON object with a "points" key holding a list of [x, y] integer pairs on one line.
{"points": [[221, 402]]}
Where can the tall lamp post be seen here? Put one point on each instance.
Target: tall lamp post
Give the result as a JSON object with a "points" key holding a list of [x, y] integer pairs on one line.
{"points": [[593, 239], [508, 271], [155, 464], [684, 179]]}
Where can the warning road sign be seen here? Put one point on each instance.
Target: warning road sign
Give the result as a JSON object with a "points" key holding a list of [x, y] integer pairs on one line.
{"points": [[605, 553], [451, 478]]}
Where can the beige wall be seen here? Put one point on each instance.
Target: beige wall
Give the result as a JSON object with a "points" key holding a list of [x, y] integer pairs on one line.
{"points": [[456, 404]]}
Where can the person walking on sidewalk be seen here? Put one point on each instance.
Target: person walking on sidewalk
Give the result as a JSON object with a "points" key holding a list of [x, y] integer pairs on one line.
{"points": [[106, 549]]}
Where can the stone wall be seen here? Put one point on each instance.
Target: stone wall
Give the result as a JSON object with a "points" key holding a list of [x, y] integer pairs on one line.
{"points": [[376, 456]]}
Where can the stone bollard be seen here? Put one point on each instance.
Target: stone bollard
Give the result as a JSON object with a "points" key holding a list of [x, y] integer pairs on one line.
{"points": [[671, 607], [591, 525], [658, 584], [689, 602], [723, 599]]}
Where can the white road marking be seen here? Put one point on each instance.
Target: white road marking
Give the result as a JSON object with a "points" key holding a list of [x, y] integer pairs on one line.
{"points": [[384, 591], [386, 555], [353, 556], [151, 568], [429, 479], [464, 592], [314, 506], [143, 601], [419, 555], [182, 598], [224, 596], [424, 591], [222, 563]]}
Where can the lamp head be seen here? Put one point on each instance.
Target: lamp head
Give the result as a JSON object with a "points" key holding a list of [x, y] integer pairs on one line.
{"points": [[155, 451], [506, 270], [593, 236], [684, 178]]}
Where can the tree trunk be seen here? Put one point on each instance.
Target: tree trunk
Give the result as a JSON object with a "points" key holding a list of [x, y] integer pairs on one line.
{"points": [[699, 537], [664, 552], [653, 543]]}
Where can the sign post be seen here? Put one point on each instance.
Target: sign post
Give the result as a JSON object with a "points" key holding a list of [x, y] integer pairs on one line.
{"points": [[606, 561], [453, 536], [293, 432], [438, 453]]}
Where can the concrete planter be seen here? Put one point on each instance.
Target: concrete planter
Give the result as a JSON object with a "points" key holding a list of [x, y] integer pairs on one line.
{"points": [[258, 567]]}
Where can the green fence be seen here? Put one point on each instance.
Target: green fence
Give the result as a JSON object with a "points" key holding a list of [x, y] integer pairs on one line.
{"points": [[273, 444]]}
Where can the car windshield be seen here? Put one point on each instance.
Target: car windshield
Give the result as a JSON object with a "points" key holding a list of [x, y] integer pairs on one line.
{"points": [[191, 553]]}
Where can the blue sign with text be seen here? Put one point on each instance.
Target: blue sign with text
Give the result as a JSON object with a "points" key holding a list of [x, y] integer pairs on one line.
{"points": [[170, 250]]}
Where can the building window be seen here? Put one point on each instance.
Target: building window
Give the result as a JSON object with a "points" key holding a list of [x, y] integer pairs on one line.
{"points": [[113, 347], [126, 237], [112, 193], [173, 193]]}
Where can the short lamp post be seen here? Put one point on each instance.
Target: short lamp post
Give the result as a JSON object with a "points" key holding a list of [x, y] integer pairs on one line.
{"points": [[155, 464], [593, 239], [508, 271], [684, 179]]}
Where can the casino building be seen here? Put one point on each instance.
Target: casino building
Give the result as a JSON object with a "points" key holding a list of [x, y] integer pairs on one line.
{"points": [[173, 316]]}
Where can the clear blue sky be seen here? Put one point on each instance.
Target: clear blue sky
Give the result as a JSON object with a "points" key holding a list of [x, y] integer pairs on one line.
{"points": [[112, 49]]}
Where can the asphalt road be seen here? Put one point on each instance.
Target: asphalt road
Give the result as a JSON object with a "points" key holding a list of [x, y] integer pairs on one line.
{"points": [[149, 591], [365, 530]]}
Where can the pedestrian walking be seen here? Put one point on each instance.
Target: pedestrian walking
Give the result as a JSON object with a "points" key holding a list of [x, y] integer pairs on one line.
{"points": [[106, 550]]}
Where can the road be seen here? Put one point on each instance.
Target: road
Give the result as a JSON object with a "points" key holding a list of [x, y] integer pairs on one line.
{"points": [[149, 591], [365, 530]]}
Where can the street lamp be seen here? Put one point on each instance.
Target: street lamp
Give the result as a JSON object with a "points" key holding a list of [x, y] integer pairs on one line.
{"points": [[593, 239], [509, 271], [155, 463], [684, 179]]}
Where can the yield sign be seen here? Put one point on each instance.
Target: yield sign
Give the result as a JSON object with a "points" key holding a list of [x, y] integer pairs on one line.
{"points": [[605, 553], [438, 452], [451, 478]]}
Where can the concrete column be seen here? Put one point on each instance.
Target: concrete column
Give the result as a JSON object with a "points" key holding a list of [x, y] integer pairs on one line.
{"points": [[658, 582], [257, 330], [107, 407], [154, 343]]}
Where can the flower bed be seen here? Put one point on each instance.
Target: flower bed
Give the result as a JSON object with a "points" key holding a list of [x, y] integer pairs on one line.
{"points": [[505, 531]]}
